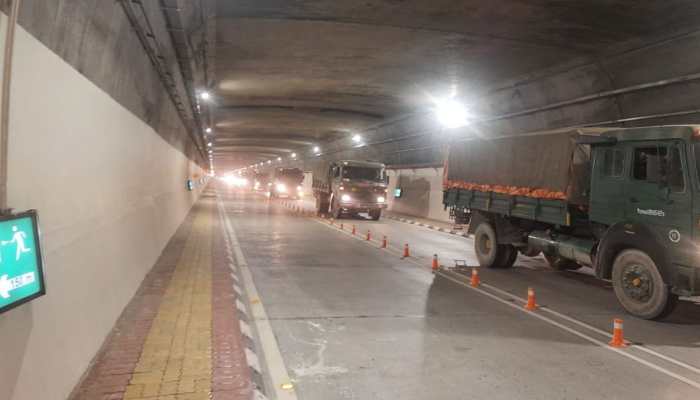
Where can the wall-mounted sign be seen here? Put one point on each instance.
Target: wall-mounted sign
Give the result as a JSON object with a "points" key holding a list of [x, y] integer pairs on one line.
{"points": [[397, 192], [21, 267]]}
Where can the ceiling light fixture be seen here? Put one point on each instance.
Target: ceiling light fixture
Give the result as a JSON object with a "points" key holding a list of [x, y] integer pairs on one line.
{"points": [[451, 113], [204, 95]]}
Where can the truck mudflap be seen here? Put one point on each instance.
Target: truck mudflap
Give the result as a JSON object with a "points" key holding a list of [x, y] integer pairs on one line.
{"points": [[686, 280]]}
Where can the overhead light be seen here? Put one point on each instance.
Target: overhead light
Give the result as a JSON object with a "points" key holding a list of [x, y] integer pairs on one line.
{"points": [[356, 138], [451, 113], [209, 144], [208, 130], [269, 161], [294, 155], [204, 95], [279, 158], [317, 149]]}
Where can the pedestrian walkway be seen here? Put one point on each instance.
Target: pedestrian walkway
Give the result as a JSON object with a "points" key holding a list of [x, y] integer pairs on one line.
{"points": [[179, 337]]}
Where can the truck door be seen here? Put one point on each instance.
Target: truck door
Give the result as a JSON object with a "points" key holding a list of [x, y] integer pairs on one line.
{"points": [[658, 194], [608, 181]]}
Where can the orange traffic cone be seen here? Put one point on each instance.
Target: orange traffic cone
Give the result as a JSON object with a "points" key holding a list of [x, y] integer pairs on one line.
{"points": [[475, 278], [531, 305], [369, 235], [618, 339], [406, 253], [436, 265], [354, 230], [384, 242]]}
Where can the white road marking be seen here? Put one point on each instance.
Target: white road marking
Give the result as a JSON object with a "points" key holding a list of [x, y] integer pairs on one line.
{"points": [[270, 348], [564, 327], [245, 329], [253, 361], [579, 334]]}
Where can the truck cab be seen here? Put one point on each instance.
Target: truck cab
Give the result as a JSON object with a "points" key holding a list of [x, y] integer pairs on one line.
{"points": [[644, 193], [286, 183], [354, 187]]}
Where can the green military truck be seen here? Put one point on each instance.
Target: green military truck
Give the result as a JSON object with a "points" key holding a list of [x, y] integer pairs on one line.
{"points": [[625, 202], [349, 187]]}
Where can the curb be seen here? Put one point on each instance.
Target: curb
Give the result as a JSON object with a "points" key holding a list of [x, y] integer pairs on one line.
{"points": [[433, 227]]}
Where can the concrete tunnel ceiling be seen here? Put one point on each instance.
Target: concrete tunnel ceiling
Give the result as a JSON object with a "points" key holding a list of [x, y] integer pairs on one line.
{"points": [[288, 75]]}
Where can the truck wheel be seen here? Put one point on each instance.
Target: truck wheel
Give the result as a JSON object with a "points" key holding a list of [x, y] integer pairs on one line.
{"points": [[336, 211], [639, 286], [506, 256], [375, 214], [321, 205], [489, 253], [530, 252], [561, 264]]}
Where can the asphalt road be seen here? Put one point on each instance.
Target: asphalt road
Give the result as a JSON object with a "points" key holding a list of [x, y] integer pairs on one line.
{"points": [[353, 321]]}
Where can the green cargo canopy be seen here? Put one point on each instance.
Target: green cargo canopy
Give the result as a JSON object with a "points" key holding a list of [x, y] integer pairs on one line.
{"points": [[542, 161]]}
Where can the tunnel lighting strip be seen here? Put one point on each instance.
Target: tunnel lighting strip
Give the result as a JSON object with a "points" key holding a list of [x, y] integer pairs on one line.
{"points": [[550, 321]]}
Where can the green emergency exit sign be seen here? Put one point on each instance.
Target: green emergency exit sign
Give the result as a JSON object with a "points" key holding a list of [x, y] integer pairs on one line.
{"points": [[21, 274]]}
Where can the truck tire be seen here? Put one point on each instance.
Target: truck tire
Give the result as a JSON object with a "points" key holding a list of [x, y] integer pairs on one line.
{"points": [[508, 255], [489, 253], [321, 205], [561, 264], [336, 211], [375, 214], [530, 252], [639, 286]]}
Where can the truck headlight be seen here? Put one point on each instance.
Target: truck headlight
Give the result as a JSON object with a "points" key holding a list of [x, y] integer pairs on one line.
{"points": [[281, 188], [346, 198], [381, 199]]}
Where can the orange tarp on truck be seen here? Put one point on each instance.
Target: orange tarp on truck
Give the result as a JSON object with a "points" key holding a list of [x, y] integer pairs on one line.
{"points": [[547, 166]]}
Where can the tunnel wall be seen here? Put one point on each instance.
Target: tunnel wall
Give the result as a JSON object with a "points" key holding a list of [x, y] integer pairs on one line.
{"points": [[110, 192], [421, 193]]}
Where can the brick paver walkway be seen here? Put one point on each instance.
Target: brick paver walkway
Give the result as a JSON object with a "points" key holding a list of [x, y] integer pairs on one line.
{"points": [[179, 338]]}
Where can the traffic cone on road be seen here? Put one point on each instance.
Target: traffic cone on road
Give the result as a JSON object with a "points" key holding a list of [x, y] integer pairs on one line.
{"points": [[618, 339], [531, 304], [475, 281], [436, 265], [384, 242], [354, 230], [369, 235], [406, 253]]}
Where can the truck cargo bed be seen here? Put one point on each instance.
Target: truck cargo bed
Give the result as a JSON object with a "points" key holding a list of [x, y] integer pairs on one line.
{"points": [[550, 211]]}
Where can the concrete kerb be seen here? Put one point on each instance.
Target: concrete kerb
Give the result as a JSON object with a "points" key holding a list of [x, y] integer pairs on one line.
{"points": [[433, 227]]}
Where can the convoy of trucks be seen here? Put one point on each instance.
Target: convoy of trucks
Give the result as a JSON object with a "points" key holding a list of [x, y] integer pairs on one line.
{"points": [[347, 188], [625, 202]]}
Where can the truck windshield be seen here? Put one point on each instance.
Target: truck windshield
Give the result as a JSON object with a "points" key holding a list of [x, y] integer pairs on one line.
{"points": [[364, 173]]}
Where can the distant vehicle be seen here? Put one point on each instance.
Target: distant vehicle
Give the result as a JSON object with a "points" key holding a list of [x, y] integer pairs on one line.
{"points": [[261, 182], [286, 183], [350, 187], [624, 201]]}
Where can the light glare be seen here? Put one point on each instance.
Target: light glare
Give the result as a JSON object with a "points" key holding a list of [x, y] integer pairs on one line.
{"points": [[451, 113]]}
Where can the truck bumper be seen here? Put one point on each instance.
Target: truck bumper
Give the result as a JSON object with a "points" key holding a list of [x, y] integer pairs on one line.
{"points": [[362, 207], [686, 280]]}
